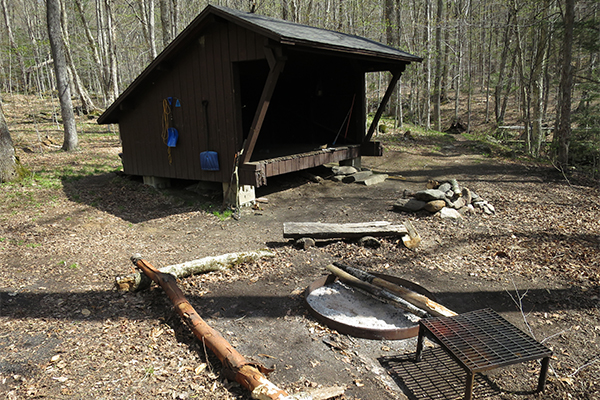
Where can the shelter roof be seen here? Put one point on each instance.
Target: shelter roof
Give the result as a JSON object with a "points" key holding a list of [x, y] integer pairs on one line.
{"points": [[280, 31]]}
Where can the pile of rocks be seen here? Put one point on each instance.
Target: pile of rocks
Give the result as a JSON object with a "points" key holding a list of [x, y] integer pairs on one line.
{"points": [[349, 174], [448, 199]]}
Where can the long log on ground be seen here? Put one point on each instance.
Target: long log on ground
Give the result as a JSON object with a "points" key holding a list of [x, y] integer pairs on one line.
{"points": [[236, 367], [139, 281], [376, 291], [320, 230], [414, 298]]}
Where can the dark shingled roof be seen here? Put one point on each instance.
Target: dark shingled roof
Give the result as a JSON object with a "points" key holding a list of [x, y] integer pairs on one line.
{"points": [[284, 32], [287, 32]]}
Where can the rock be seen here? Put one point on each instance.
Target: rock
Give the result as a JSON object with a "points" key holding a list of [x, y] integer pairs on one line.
{"points": [[449, 213], [312, 177], [485, 206], [430, 194], [343, 170], [435, 206], [362, 175], [410, 205], [466, 210], [304, 243], [489, 209], [459, 203], [432, 184], [466, 194], [444, 187], [373, 179], [369, 241]]}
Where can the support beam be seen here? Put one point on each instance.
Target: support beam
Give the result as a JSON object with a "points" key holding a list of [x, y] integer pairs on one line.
{"points": [[386, 98], [276, 64]]}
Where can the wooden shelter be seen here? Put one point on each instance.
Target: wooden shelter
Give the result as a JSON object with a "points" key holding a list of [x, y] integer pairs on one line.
{"points": [[246, 96]]}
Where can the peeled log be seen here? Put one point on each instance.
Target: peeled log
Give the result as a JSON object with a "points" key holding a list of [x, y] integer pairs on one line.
{"points": [[416, 299], [139, 281], [249, 375]]}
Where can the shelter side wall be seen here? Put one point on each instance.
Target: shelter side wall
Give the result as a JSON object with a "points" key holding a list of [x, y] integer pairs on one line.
{"points": [[200, 82]]}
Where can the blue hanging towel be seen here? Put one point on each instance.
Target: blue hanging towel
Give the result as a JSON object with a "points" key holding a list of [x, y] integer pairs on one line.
{"points": [[172, 137], [177, 103], [170, 100], [209, 161]]}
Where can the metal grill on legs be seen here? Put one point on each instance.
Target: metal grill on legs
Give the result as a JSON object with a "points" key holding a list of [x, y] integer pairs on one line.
{"points": [[482, 340]]}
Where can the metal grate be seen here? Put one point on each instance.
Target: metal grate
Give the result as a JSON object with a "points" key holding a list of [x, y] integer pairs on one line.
{"points": [[482, 340]]}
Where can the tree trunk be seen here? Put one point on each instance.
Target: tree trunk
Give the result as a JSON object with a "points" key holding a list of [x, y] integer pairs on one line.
{"points": [[537, 83], [13, 44], [437, 85], [502, 68], [8, 160], [563, 133], [87, 104], [166, 22], [146, 8], [62, 79]]}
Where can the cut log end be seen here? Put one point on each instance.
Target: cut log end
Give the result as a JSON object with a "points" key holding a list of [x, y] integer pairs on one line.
{"points": [[412, 240]]}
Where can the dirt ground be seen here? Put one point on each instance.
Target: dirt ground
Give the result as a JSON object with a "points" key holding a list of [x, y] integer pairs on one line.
{"points": [[65, 332]]}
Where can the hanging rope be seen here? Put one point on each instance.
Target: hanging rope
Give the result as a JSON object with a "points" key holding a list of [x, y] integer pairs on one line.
{"points": [[167, 118]]}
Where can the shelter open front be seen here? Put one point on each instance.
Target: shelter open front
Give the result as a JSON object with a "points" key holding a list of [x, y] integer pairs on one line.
{"points": [[317, 104]]}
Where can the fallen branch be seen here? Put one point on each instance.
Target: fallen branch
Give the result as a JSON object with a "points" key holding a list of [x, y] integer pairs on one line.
{"points": [[236, 367], [414, 298], [376, 291], [138, 281]]}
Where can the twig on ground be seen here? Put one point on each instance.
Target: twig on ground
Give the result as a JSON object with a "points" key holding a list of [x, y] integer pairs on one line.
{"points": [[595, 360], [519, 302], [562, 171]]}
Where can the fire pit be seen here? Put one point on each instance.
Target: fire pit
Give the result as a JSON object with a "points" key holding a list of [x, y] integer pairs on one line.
{"points": [[356, 314]]}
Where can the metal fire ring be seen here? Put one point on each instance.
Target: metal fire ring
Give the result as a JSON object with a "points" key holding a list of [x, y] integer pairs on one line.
{"points": [[363, 332]]}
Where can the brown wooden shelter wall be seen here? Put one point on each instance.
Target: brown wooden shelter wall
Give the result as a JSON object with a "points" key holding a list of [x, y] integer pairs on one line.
{"points": [[201, 78]]}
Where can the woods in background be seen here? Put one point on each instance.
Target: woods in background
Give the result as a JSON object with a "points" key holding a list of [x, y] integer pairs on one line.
{"points": [[493, 65]]}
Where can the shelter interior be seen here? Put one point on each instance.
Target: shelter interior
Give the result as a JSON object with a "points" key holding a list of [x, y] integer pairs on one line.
{"points": [[317, 102]]}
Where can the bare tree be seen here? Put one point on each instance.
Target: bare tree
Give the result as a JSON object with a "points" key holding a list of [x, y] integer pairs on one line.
{"points": [[9, 165], [53, 17], [13, 44], [87, 104], [146, 17], [437, 84], [563, 135]]}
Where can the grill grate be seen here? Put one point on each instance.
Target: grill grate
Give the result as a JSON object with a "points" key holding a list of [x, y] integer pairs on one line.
{"points": [[482, 340]]}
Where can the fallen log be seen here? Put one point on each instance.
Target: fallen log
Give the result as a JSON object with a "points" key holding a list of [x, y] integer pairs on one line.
{"points": [[376, 291], [414, 298], [321, 230], [236, 367], [138, 281]]}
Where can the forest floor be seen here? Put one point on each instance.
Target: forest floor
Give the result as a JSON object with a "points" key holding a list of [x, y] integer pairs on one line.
{"points": [[68, 231]]}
